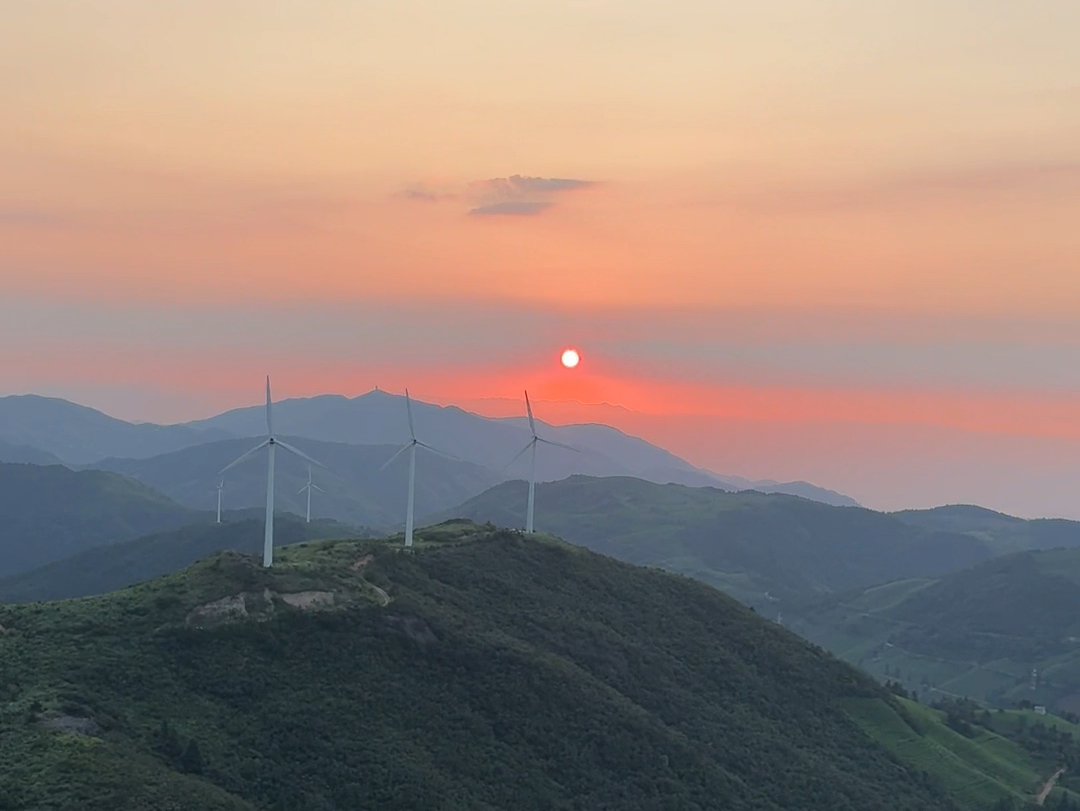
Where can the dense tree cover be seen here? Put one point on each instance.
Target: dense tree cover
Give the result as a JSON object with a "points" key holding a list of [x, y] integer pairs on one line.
{"points": [[51, 512], [113, 566], [745, 543], [505, 672]]}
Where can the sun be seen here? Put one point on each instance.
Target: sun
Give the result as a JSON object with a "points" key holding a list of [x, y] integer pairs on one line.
{"points": [[570, 358]]}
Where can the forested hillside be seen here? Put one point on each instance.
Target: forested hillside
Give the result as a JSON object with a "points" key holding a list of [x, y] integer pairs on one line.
{"points": [[51, 512], [485, 670]]}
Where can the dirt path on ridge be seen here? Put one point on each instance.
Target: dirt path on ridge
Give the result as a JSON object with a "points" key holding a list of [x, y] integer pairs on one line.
{"points": [[1048, 786]]}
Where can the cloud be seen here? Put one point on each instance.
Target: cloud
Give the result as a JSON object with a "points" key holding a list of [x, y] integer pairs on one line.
{"points": [[515, 208], [517, 195], [521, 186]]}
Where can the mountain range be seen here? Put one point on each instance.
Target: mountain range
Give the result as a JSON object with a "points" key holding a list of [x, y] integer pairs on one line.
{"points": [[81, 436]]}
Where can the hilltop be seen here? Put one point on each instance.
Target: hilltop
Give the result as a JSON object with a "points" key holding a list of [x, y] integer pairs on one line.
{"points": [[483, 670], [746, 543], [51, 512], [111, 566]]}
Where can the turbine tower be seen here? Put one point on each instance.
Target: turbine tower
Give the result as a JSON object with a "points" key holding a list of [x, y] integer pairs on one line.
{"points": [[411, 447], [309, 487], [532, 461], [220, 487], [271, 442]]}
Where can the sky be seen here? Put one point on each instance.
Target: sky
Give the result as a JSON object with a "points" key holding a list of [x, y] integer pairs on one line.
{"points": [[827, 240]]}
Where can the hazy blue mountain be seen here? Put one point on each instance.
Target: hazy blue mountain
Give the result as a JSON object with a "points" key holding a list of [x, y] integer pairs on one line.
{"points": [[25, 455], [76, 434], [380, 418], [49, 513], [108, 567], [1003, 532], [357, 491], [747, 543]]}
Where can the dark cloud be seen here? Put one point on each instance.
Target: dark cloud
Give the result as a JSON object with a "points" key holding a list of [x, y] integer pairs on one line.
{"points": [[512, 208], [521, 186]]}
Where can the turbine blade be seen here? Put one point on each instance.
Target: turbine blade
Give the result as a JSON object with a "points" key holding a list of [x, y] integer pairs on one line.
{"points": [[269, 417], [520, 453], [302, 489], [528, 407], [408, 409], [299, 453], [557, 444], [425, 446], [250, 453], [400, 451], [316, 487]]}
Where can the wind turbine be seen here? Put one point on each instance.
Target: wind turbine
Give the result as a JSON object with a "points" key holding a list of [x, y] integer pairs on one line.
{"points": [[220, 487], [309, 487], [271, 442], [411, 447], [532, 462]]}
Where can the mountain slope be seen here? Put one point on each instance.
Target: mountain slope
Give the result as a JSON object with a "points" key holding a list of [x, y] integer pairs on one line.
{"points": [[108, 567], [48, 513], [358, 490], [503, 672], [1002, 532], [80, 435], [1003, 631], [25, 455], [745, 543]]}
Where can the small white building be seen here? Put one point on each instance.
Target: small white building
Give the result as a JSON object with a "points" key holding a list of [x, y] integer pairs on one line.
{"points": [[1040, 709]]}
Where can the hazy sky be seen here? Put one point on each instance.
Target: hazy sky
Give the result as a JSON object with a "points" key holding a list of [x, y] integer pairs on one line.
{"points": [[825, 239]]}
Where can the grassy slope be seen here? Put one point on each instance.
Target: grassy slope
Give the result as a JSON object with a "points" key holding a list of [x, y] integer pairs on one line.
{"points": [[506, 672], [977, 771], [745, 543], [50, 512]]}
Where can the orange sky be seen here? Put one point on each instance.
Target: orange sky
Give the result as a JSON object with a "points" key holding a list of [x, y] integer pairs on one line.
{"points": [[790, 212]]}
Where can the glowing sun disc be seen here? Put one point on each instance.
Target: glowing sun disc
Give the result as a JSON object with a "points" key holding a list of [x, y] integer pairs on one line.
{"points": [[570, 358]]}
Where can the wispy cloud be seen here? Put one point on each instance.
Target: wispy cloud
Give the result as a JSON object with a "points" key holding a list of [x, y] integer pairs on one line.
{"points": [[514, 196], [514, 208]]}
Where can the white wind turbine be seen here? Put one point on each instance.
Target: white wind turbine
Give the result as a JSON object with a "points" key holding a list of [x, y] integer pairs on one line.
{"points": [[536, 440], [411, 447], [309, 487], [271, 442], [220, 487]]}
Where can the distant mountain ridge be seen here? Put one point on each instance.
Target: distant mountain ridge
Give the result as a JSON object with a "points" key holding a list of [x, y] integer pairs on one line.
{"points": [[357, 489], [45, 429], [746, 543]]}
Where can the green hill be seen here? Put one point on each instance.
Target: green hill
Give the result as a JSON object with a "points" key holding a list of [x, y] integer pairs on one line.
{"points": [[979, 633], [357, 488], [51, 512], [484, 670], [1003, 533], [109, 567], [745, 543]]}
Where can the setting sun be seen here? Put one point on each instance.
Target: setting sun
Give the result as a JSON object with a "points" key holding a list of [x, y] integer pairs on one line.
{"points": [[570, 358]]}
